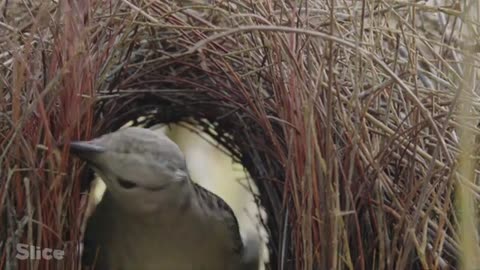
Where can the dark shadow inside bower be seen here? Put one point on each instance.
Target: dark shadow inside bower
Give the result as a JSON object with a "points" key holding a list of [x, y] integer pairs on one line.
{"points": [[231, 127]]}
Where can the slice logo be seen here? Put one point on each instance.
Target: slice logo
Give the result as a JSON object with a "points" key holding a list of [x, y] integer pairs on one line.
{"points": [[28, 252]]}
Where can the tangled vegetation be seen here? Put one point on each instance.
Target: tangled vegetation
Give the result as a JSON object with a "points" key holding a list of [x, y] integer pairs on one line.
{"points": [[356, 119]]}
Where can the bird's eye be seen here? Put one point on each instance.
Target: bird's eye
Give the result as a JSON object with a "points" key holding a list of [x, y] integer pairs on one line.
{"points": [[126, 184]]}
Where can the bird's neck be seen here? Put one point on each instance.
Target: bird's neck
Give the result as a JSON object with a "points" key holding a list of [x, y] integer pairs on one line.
{"points": [[176, 202]]}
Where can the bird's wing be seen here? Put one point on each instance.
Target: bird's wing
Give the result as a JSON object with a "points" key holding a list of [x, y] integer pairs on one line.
{"points": [[215, 204], [90, 243], [97, 226]]}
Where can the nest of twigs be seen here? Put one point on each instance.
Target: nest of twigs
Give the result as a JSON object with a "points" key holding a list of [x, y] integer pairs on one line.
{"points": [[350, 117]]}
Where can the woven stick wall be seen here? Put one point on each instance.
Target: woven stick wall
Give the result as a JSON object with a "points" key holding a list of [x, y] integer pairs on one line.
{"points": [[343, 112]]}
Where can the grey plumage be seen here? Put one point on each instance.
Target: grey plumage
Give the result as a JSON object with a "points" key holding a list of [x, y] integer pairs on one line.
{"points": [[152, 215]]}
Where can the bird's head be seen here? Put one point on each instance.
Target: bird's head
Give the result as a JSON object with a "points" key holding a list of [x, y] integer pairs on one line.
{"points": [[142, 169]]}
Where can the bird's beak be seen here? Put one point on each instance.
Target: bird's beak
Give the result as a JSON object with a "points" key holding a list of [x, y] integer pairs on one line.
{"points": [[86, 150]]}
